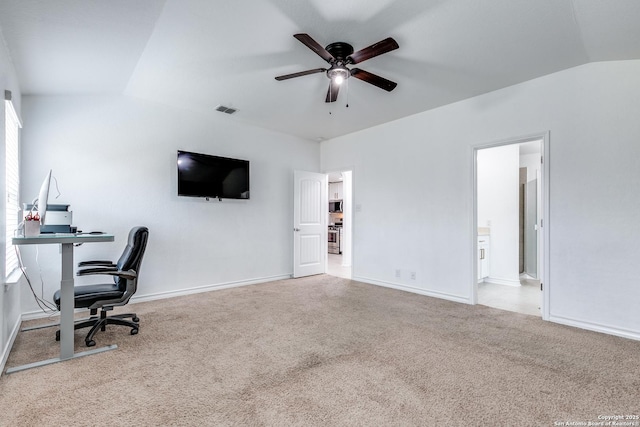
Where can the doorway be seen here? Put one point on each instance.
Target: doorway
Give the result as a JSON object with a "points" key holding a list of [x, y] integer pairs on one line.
{"points": [[510, 201], [340, 221]]}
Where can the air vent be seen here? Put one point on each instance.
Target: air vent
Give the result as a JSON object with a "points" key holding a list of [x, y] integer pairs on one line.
{"points": [[224, 109]]}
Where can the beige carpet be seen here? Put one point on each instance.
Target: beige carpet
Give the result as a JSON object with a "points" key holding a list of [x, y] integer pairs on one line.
{"points": [[325, 351]]}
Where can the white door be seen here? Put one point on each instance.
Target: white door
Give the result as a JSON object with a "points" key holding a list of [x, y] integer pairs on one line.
{"points": [[310, 211]]}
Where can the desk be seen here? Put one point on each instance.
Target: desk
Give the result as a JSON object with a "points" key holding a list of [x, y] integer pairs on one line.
{"points": [[67, 241]]}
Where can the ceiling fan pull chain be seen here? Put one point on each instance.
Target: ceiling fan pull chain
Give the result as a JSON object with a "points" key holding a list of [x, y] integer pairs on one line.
{"points": [[347, 81]]}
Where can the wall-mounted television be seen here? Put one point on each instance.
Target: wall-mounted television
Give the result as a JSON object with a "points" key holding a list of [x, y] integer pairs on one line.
{"points": [[203, 175]]}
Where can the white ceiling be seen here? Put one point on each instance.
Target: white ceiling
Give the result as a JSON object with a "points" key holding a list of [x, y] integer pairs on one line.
{"points": [[198, 54]]}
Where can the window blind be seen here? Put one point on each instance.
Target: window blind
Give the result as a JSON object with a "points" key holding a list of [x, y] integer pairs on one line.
{"points": [[12, 182]]}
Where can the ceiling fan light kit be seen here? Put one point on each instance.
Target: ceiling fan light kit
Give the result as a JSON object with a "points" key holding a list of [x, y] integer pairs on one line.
{"points": [[341, 54], [338, 73]]}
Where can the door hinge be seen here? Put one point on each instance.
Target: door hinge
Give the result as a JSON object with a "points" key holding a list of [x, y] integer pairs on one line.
{"points": [[542, 159], [541, 222], [541, 286]]}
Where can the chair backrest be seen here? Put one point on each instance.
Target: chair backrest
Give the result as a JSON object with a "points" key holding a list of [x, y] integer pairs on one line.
{"points": [[131, 257]]}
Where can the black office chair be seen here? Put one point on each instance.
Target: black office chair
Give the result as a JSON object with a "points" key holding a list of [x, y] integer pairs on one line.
{"points": [[106, 296]]}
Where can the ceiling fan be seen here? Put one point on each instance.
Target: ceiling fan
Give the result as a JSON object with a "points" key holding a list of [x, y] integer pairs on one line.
{"points": [[339, 55]]}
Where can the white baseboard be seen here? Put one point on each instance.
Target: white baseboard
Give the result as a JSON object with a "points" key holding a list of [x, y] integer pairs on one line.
{"points": [[435, 294], [179, 292], [7, 348], [596, 327], [207, 288], [506, 282], [577, 323]]}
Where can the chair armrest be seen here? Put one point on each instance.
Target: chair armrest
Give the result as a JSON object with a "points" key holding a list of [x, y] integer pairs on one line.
{"points": [[96, 263], [128, 275], [96, 270]]}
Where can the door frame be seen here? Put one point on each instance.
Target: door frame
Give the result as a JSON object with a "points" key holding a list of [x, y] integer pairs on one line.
{"points": [[544, 240], [350, 200]]}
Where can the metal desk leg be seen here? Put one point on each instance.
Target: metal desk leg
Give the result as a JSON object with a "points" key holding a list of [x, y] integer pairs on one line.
{"points": [[66, 303]]}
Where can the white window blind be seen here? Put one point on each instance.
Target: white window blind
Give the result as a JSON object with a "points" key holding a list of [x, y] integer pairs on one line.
{"points": [[12, 180]]}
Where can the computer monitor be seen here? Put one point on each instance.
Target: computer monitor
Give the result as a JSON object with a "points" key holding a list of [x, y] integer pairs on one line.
{"points": [[40, 204]]}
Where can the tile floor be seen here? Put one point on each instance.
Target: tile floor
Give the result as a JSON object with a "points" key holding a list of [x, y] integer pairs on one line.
{"points": [[335, 268], [521, 299], [525, 299]]}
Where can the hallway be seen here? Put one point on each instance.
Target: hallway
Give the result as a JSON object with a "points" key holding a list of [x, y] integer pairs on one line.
{"points": [[524, 299]]}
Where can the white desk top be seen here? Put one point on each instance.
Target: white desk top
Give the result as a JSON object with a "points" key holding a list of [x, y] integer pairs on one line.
{"points": [[49, 238]]}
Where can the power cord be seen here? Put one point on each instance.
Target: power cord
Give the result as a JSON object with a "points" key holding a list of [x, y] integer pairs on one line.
{"points": [[56, 182], [45, 306]]}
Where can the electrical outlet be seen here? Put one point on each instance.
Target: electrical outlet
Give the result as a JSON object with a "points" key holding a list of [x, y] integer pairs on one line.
{"points": [[397, 274], [413, 275]]}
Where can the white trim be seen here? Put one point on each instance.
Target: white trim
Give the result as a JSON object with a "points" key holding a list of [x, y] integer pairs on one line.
{"points": [[207, 288], [425, 292], [14, 277], [596, 327], [545, 173], [544, 270], [181, 292], [7, 348]]}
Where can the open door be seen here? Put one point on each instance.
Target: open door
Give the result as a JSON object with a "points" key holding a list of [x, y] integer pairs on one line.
{"points": [[309, 223], [531, 229]]}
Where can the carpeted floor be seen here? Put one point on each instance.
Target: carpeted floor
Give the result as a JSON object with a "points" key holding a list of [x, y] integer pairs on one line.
{"points": [[325, 351]]}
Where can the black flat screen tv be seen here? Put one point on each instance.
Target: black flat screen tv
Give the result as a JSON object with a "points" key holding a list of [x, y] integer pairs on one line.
{"points": [[202, 175]]}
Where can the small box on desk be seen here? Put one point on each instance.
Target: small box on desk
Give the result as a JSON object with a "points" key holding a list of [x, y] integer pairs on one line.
{"points": [[31, 228]]}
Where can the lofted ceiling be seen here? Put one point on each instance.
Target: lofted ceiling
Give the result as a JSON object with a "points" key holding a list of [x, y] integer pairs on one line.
{"points": [[198, 54]]}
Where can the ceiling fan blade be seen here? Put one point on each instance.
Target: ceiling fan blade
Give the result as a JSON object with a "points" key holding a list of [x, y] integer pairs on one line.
{"points": [[375, 49], [332, 93], [301, 73], [315, 46], [368, 77]]}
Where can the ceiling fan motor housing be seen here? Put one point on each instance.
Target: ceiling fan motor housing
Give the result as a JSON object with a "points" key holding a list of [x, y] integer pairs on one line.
{"points": [[340, 51]]}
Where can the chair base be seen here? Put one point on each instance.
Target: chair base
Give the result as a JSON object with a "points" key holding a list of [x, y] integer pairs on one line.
{"points": [[100, 323]]}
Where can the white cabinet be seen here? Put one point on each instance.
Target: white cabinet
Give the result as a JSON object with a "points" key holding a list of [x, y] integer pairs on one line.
{"points": [[335, 191], [483, 257]]}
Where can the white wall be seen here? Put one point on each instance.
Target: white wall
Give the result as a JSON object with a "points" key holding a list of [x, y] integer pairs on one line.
{"points": [[9, 293], [421, 167], [532, 163], [115, 162], [498, 208]]}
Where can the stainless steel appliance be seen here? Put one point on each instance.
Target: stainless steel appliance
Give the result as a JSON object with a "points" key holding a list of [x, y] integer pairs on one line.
{"points": [[335, 206], [334, 240]]}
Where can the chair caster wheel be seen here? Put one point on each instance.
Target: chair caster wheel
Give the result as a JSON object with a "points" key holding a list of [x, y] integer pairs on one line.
{"points": [[134, 331], [57, 335], [136, 319], [90, 343]]}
